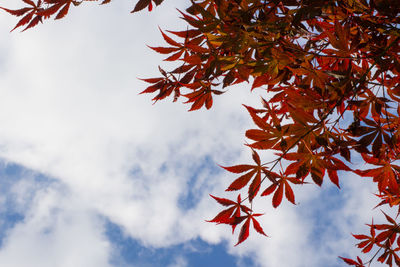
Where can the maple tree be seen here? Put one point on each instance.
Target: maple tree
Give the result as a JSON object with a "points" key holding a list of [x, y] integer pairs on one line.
{"points": [[330, 73]]}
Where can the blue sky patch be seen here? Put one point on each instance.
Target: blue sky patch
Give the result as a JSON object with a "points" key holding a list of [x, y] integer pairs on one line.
{"points": [[195, 253]]}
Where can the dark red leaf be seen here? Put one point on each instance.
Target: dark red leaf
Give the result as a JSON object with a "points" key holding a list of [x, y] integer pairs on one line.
{"points": [[141, 4], [46, 13], [255, 186], [244, 232], [164, 50], [289, 193], [349, 261], [223, 201], [186, 34], [277, 198], [17, 12], [33, 22], [238, 168], [256, 157], [152, 80], [168, 39], [241, 182], [224, 216], [257, 120], [209, 101], [333, 177], [175, 56], [26, 19], [360, 237], [269, 190], [257, 226], [29, 2], [63, 12]]}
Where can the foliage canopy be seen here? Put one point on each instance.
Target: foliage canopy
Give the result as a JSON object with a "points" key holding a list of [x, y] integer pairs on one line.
{"points": [[319, 64]]}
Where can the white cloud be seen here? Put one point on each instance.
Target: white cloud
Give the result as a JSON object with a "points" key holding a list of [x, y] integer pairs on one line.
{"points": [[70, 109], [56, 232], [179, 262]]}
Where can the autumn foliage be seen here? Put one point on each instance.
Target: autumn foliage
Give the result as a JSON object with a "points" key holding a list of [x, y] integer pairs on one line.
{"points": [[330, 74]]}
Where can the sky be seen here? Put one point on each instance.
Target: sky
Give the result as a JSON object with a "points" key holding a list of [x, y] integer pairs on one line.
{"points": [[92, 174]]}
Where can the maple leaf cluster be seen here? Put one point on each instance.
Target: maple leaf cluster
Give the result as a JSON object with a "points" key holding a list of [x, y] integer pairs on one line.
{"points": [[317, 62], [40, 10]]}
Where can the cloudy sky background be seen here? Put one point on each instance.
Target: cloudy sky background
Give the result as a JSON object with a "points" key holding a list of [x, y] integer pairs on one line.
{"points": [[93, 175]]}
